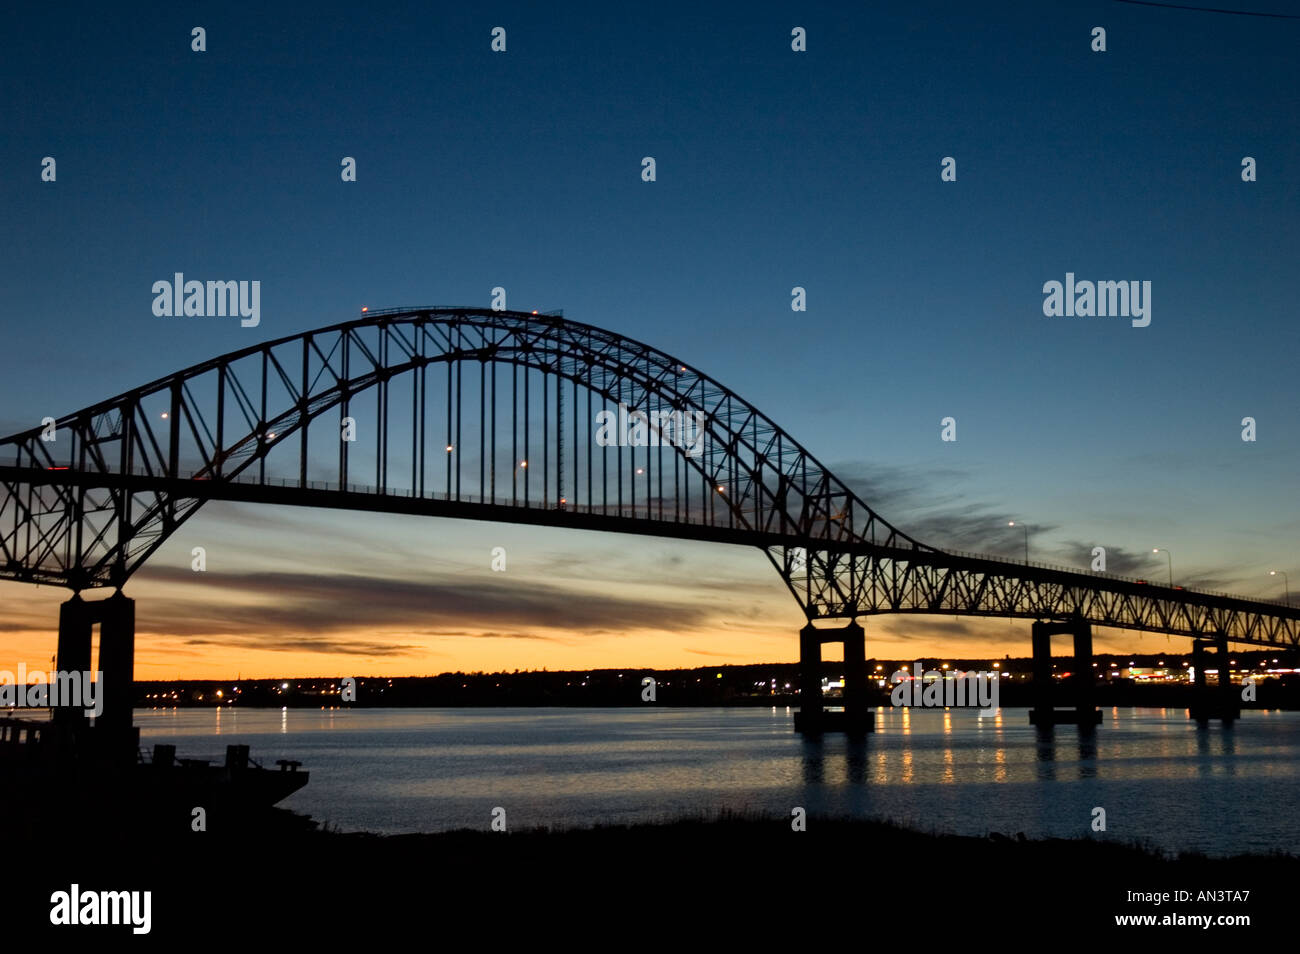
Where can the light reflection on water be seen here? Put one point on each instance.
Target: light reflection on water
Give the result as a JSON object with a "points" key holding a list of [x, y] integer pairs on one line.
{"points": [[1159, 778]]}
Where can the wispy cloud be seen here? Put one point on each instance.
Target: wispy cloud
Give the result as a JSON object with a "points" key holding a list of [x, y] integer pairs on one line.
{"points": [[315, 644], [920, 503], [300, 610]]}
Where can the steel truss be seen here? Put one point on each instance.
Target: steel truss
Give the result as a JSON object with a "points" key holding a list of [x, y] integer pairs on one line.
{"points": [[490, 415]]}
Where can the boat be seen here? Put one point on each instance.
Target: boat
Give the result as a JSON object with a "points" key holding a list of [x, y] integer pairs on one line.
{"points": [[70, 768], [65, 767]]}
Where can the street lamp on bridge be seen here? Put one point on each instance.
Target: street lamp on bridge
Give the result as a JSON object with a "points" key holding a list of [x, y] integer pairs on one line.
{"points": [[1025, 527], [1170, 557], [514, 482], [1286, 581]]}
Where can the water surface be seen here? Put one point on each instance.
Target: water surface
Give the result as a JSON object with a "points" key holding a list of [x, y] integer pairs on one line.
{"points": [[1159, 778]]}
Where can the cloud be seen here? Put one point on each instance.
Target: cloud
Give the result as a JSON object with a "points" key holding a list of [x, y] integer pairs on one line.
{"points": [[301, 610], [326, 644], [926, 628], [931, 515], [1212, 583], [443, 634], [697, 566], [41, 624], [890, 489], [918, 503], [1119, 560]]}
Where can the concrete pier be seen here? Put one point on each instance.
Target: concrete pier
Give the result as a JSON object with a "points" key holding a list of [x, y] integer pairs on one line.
{"points": [[113, 736], [812, 717], [76, 620], [117, 736], [1213, 702], [1080, 708]]}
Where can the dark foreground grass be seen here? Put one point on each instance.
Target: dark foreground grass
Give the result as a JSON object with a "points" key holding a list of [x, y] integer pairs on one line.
{"points": [[741, 878]]}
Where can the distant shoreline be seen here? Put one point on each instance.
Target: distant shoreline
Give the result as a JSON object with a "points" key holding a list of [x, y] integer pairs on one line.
{"points": [[1133, 681]]}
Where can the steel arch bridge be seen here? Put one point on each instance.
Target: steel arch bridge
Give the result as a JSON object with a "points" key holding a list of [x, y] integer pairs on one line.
{"points": [[492, 415]]}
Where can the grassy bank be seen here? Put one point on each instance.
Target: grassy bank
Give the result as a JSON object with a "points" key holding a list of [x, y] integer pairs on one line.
{"points": [[741, 873]]}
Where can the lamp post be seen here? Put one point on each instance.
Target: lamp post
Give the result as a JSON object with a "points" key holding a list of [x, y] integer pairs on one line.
{"points": [[514, 485], [1025, 527], [1286, 581], [1170, 557]]}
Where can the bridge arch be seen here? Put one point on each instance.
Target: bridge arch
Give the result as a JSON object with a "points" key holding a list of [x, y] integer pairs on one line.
{"points": [[88, 507], [177, 429]]}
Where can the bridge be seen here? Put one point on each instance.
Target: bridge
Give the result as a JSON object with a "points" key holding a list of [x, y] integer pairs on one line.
{"points": [[526, 418]]}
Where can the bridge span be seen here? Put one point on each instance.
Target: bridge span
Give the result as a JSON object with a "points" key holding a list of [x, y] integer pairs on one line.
{"points": [[525, 418]]}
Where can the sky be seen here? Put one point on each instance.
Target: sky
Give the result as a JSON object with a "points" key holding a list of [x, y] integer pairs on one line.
{"points": [[774, 169]]}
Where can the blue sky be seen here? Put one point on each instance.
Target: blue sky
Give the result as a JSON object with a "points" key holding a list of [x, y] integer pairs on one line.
{"points": [[774, 169]]}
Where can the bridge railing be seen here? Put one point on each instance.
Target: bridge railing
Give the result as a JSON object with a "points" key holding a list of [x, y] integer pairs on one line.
{"points": [[407, 309], [500, 499], [403, 309], [995, 558]]}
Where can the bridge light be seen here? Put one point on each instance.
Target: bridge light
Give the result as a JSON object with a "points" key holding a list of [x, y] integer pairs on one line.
{"points": [[164, 415], [534, 311], [450, 448], [640, 470], [271, 436], [720, 490], [523, 463], [364, 309]]}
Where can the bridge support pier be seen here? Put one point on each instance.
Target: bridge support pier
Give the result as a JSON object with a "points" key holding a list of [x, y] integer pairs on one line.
{"points": [[76, 620], [114, 735], [1044, 711], [1221, 701], [812, 718], [118, 736]]}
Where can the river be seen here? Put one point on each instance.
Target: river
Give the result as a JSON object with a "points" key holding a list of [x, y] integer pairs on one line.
{"points": [[1159, 779]]}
